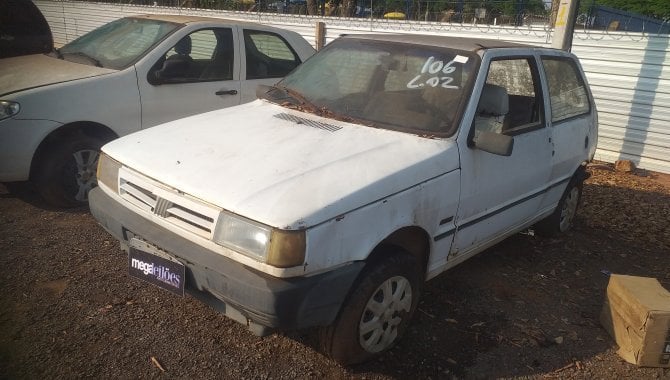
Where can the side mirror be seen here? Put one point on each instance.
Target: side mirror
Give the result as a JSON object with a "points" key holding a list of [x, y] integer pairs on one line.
{"points": [[155, 78], [494, 143], [172, 71]]}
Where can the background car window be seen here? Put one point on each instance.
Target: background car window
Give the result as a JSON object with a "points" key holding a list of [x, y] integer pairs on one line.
{"points": [[567, 90], [268, 55], [117, 44], [509, 103], [203, 43], [135, 42], [204, 55]]}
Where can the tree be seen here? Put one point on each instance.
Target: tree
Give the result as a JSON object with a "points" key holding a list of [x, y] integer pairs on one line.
{"points": [[653, 8], [555, 4]]}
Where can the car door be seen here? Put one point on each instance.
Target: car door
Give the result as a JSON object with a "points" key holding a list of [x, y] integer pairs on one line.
{"points": [[268, 58], [500, 194], [198, 73], [571, 120]]}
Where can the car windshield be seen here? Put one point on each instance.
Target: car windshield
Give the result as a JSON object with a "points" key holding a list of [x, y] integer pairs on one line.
{"points": [[413, 88], [117, 44]]}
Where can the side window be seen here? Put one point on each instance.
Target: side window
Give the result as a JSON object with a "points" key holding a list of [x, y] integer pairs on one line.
{"points": [[268, 55], [204, 55], [509, 102], [567, 91]]}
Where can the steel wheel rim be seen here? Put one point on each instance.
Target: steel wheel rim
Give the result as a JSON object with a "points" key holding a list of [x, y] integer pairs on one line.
{"points": [[569, 209], [86, 163], [383, 314]]}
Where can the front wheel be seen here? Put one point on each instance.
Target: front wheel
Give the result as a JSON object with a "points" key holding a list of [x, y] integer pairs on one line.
{"points": [[67, 171], [377, 312]]}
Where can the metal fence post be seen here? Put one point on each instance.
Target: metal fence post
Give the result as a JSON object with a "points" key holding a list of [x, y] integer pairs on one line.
{"points": [[320, 35]]}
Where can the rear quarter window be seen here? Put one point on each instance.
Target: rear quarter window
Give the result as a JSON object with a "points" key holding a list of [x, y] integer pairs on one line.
{"points": [[567, 90]]}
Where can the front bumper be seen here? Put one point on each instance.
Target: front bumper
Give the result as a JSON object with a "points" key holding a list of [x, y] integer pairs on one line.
{"points": [[259, 301]]}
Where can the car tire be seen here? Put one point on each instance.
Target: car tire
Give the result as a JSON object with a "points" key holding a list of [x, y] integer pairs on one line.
{"points": [[563, 217], [377, 311], [67, 171]]}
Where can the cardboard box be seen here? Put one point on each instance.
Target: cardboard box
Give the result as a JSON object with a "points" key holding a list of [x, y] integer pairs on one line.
{"points": [[637, 315]]}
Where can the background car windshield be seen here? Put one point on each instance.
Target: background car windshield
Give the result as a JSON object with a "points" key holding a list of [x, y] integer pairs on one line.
{"points": [[407, 87], [117, 44]]}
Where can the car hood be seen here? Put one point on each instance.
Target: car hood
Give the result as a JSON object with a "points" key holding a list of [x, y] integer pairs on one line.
{"points": [[281, 167], [29, 71]]}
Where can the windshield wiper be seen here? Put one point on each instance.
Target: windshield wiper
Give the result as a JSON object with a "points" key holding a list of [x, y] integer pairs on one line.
{"points": [[302, 101], [95, 61], [307, 106]]}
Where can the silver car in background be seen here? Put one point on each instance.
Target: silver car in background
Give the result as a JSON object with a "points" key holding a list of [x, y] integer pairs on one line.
{"points": [[58, 109]]}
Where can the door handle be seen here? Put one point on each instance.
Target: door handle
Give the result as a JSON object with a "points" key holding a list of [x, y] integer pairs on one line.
{"points": [[226, 92]]}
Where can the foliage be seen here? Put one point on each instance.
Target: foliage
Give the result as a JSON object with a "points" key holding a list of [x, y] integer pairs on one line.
{"points": [[653, 8], [494, 8]]}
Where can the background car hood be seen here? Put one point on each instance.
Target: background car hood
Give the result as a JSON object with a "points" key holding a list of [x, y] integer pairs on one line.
{"points": [[282, 173], [29, 71]]}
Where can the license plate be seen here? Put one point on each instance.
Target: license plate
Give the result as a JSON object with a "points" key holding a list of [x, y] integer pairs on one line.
{"points": [[150, 264]]}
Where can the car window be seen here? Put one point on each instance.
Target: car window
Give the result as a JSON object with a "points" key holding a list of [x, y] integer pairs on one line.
{"points": [[203, 43], [204, 55], [567, 90], [117, 44], [509, 103], [268, 55], [412, 88]]}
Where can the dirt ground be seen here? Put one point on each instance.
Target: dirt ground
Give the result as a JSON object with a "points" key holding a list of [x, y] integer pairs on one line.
{"points": [[525, 308]]}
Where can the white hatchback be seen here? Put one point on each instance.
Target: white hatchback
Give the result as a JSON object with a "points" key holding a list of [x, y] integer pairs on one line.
{"points": [[57, 109], [379, 163]]}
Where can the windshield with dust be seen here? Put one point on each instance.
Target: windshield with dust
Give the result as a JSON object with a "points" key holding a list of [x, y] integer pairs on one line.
{"points": [[413, 88], [117, 44]]}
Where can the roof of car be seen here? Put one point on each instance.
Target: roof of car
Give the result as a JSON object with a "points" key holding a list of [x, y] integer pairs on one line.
{"points": [[187, 19], [460, 43]]}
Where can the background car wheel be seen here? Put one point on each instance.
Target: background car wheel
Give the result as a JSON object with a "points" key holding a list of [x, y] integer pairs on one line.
{"points": [[377, 312], [563, 218], [67, 171]]}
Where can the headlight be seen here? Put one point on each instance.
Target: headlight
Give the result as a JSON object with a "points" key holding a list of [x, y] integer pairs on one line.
{"points": [[266, 244], [8, 109], [108, 172]]}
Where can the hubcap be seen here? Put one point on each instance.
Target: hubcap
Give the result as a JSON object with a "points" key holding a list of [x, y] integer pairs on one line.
{"points": [[86, 161], [569, 209], [384, 313]]}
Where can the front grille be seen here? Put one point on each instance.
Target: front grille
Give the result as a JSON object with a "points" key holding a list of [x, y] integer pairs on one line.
{"points": [[308, 122], [167, 203]]}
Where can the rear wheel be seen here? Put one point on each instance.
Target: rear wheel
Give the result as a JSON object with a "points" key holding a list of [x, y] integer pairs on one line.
{"points": [[377, 312], [67, 171], [563, 217]]}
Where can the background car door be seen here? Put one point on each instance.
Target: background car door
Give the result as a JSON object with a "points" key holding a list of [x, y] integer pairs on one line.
{"points": [[500, 193], [199, 73], [267, 59]]}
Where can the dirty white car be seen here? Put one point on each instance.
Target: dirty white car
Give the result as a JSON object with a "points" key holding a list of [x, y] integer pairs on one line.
{"points": [[56, 110], [378, 164]]}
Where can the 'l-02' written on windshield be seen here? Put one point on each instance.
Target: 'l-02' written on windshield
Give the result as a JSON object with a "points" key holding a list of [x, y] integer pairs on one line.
{"points": [[434, 73]]}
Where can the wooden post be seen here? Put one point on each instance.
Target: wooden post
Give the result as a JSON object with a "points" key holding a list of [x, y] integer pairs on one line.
{"points": [[320, 35]]}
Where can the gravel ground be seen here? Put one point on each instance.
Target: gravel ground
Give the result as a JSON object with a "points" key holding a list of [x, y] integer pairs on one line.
{"points": [[528, 307]]}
